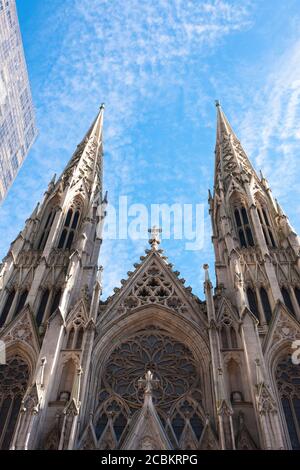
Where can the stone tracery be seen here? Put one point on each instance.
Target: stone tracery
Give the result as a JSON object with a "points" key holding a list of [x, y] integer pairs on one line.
{"points": [[13, 382], [288, 382], [178, 396], [152, 288]]}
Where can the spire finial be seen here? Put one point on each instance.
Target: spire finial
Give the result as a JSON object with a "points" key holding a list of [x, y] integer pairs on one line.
{"points": [[206, 269], [154, 237], [218, 104], [102, 106]]}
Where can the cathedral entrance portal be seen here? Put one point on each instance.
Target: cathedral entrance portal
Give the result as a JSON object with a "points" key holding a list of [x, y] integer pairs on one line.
{"points": [[178, 396]]}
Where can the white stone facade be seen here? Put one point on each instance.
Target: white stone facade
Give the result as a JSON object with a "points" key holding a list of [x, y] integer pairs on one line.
{"points": [[153, 367]]}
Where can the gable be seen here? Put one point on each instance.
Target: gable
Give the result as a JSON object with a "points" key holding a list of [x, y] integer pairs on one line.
{"points": [[78, 313], [146, 431], [21, 337], [284, 328], [154, 283], [22, 330], [226, 312]]}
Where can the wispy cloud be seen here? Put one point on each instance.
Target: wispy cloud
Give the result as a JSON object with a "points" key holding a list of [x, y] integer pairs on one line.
{"points": [[271, 129], [138, 57]]}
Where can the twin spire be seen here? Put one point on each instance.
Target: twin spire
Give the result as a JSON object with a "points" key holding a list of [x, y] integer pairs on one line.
{"points": [[223, 126], [86, 163], [231, 159]]}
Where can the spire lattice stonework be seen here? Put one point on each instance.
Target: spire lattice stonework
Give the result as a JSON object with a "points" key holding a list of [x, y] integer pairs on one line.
{"points": [[231, 159]]}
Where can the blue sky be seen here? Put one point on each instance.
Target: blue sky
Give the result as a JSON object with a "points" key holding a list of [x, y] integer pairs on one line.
{"points": [[159, 66]]}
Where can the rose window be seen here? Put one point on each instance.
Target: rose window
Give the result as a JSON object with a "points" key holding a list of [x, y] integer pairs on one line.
{"points": [[177, 398]]}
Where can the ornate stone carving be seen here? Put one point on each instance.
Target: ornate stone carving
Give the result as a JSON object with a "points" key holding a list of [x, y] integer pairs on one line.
{"points": [[265, 400], [174, 381], [153, 288], [170, 361]]}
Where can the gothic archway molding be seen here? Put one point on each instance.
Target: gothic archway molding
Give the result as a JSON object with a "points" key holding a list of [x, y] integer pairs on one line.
{"points": [[20, 349], [166, 321], [175, 324], [283, 356]]}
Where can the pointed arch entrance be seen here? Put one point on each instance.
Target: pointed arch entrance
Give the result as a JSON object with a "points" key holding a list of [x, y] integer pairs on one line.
{"points": [[156, 339], [288, 383], [14, 377]]}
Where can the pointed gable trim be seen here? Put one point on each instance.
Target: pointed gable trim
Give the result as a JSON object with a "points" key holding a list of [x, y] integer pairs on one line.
{"points": [[153, 283], [284, 328]]}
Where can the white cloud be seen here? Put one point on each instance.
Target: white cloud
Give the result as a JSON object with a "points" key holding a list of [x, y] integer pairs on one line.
{"points": [[131, 55], [271, 129]]}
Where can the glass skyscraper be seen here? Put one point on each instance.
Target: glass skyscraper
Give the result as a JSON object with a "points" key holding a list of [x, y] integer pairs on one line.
{"points": [[17, 121]]}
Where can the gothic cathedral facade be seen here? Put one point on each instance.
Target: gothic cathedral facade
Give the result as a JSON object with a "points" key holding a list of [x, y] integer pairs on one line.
{"points": [[153, 366]]}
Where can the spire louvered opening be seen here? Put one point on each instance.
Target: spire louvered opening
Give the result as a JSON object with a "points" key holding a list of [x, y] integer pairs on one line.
{"points": [[265, 221], [21, 302], [70, 227], [252, 300], [46, 227], [266, 304], [7, 306], [243, 227], [287, 299], [42, 307]]}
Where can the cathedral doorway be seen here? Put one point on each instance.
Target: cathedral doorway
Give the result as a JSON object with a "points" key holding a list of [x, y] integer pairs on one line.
{"points": [[179, 398], [14, 376], [288, 383]]}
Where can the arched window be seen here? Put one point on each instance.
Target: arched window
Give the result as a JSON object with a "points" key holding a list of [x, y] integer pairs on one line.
{"points": [[287, 299], [235, 381], [197, 425], [46, 230], [101, 425], [252, 300], [229, 337], [233, 337], [287, 377], [266, 304], [178, 423], [67, 380], [75, 334], [42, 307], [7, 307], [297, 294], [69, 230], [21, 302], [55, 301], [185, 410], [71, 338], [112, 410], [119, 425], [79, 338], [177, 397], [224, 337], [243, 227], [266, 227], [13, 383]]}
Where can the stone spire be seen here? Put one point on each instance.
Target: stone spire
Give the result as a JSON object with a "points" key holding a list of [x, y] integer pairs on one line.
{"points": [[85, 164], [231, 159]]}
